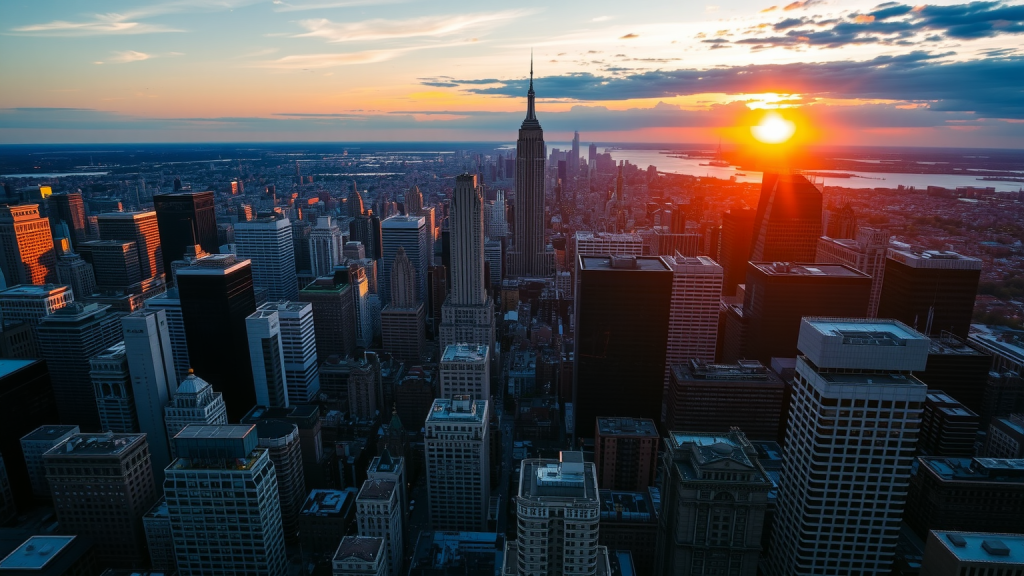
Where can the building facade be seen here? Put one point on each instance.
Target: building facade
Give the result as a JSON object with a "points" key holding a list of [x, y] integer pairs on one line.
{"points": [[457, 445], [26, 246], [931, 291], [379, 515], [626, 453], [267, 242], [465, 370]]}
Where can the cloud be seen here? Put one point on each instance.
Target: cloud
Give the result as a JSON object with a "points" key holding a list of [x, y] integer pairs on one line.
{"points": [[128, 22], [283, 6], [129, 56], [801, 4], [312, 61], [380, 29], [988, 88], [629, 36]]}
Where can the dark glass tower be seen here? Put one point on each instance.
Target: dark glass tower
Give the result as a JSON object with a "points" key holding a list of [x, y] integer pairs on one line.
{"points": [[70, 209], [528, 255], [185, 219], [622, 313], [216, 297], [931, 291], [737, 231], [788, 221], [26, 403]]}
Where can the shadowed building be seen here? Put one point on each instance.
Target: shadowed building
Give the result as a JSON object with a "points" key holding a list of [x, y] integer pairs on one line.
{"points": [[931, 291], [185, 219], [626, 453], [528, 257], [788, 221]]}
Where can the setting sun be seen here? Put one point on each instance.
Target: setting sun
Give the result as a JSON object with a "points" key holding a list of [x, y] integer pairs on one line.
{"points": [[773, 129]]}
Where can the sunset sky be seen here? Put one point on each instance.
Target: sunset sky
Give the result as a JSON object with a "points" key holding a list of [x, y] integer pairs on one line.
{"points": [[943, 74]]}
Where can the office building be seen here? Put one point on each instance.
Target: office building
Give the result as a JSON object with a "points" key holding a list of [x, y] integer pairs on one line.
{"points": [[112, 385], [47, 555], [267, 354], [194, 402], [157, 526], [558, 519], [714, 499], [238, 532], [854, 398], [734, 252], [84, 473], [626, 453], [26, 403], [140, 228], [185, 219], [76, 273], [366, 229], [170, 304], [325, 518], [494, 255], [457, 446], [115, 264], [788, 221], [216, 295], [965, 494], [30, 303], [69, 209], [1005, 437], [958, 370], [403, 321], [496, 217], [693, 319], [445, 553], [379, 515], [147, 345], [334, 315], [948, 428], [932, 291], [26, 246], [364, 390], [325, 246], [281, 439], [298, 341], [528, 257], [361, 305], [623, 305], [388, 467], [408, 234], [468, 312], [866, 252], [34, 445], [307, 418], [68, 338], [466, 371], [779, 294], [360, 556], [706, 397], [948, 553], [267, 242], [587, 243], [629, 524]]}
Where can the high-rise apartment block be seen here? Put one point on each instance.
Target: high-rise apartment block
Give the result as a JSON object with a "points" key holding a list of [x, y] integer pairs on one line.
{"points": [[788, 221], [866, 253], [34, 445], [734, 252], [235, 528], [626, 453], [457, 443], [26, 246], [267, 242], [326, 245], [140, 228], [360, 556], [714, 500], [147, 345], [465, 370], [335, 317], [194, 402], [850, 442], [102, 485], [408, 233], [932, 291], [112, 386], [623, 305], [706, 397], [264, 329], [185, 219], [693, 319], [379, 515]]}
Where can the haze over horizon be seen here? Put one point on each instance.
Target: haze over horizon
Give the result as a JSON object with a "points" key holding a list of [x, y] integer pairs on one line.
{"points": [[851, 73]]}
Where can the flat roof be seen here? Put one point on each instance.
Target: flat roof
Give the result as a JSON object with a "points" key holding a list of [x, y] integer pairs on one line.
{"points": [[286, 306], [322, 502], [159, 510], [458, 409], [214, 265], [864, 331], [975, 469], [817, 269], [627, 427], [464, 353], [363, 548], [126, 215], [403, 222], [376, 490], [33, 290], [233, 431], [950, 345], [97, 444], [50, 432], [943, 259], [643, 263], [982, 546], [10, 366], [36, 552]]}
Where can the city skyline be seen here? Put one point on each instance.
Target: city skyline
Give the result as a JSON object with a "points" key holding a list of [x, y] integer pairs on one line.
{"points": [[860, 73]]}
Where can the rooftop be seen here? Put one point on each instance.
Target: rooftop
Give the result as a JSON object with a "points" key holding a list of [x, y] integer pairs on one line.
{"points": [[36, 552], [126, 215], [627, 427], [586, 235], [742, 371], [328, 502], [464, 353], [47, 433], [791, 269], [33, 290], [940, 259], [364, 548], [974, 469], [569, 478], [159, 510], [460, 552], [628, 506], [214, 265], [1008, 343], [103, 444], [10, 366], [403, 222], [376, 490], [458, 408], [982, 546], [626, 263], [862, 344], [286, 306], [232, 431], [950, 345]]}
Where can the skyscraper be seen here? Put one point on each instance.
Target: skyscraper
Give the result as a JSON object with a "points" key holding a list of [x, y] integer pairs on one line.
{"points": [[468, 313], [140, 228], [334, 315], [26, 246], [465, 371], [574, 155], [457, 480], [115, 264], [90, 468], [26, 403], [75, 272], [737, 233], [866, 253], [267, 242], [855, 412], [70, 209], [298, 340], [403, 321], [238, 531], [409, 234], [693, 319], [194, 402], [379, 515], [216, 297], [185, 219], [267, 355], [325, 246], [788, 221], [68, 338], [281, 439], [112, 386], [170, 303], [622, 315], [626, 453], [147, 344], [931, 291], [529, 257]]}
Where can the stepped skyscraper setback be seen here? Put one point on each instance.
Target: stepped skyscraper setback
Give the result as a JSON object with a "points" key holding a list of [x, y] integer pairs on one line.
{"points": [[528, 257]]}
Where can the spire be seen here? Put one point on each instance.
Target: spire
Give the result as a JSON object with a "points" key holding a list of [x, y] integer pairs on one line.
{"points": [[531, 113]]}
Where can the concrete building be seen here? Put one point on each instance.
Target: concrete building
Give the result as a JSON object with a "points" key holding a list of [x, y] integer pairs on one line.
{"points": [[148, 347], [267, 242], [76, 273], [335, 316], [29, 304], [140, 228], [360, 556], [962, 553], [379, 515], [281, 439], [115, 264], [89, 468], [403, 321], [47, 555], [34, 445], [69, 209], [734, 252], [26, 246], [170, 304], [866, 253], [629, 523], [157, 526], [948, 428], [194, 402], [852, 380], [626, 453], [965, 494], [388, 467], [457, 446], [931, 291], [693, 317], [267, 355], [465, 370], [959, 370], [364, 390], [325, 519], [408, 233], [298, 342], [112, 385], [714, 498], [326, 245], [1005, 437], [208, 539], [437, 553], [307, 418], [529, 256]]}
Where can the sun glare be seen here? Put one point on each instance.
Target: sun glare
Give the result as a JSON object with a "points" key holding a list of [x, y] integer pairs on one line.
{"points": [[773, 129]]}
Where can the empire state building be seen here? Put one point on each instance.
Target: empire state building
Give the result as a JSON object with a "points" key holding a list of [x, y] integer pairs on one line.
{"points": [[528, 257]]}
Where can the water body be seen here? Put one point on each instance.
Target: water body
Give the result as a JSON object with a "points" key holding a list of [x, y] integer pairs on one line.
{"points": [[53, 174]]}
